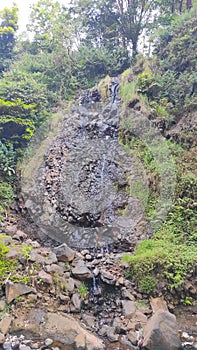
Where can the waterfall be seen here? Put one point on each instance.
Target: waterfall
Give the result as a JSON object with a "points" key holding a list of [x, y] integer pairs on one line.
{"points": [[114, 86], [94, 284], [86, 184]]}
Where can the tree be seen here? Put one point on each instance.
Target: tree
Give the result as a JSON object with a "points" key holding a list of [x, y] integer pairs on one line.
{"points": [[23, 105], [8, 28], [115, 23], [51, 26]]}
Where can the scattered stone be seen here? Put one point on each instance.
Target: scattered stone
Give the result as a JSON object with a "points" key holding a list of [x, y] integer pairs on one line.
{"points": [[111, 335], [120, 281], [81, 271], [133, 337], [64, 298], [37, 258], [14, 252], [107, 277], [127, 295], [48, 342], [51, 259], [45, 277], [85, 252], [20, 235], [119, 325], [76, 300], [64, 253], [2, 338], [70, 285], [32, 297], [158, 304], [24, 347], [124, 341], [109, 332], [14, 290], [103, 330], [89, 320], [140, 318], [11, 230], [88, 257], [34, 244], [5, 324], [54, 268], [96, 271], [7, 345], [129, 308], [2, 305]]}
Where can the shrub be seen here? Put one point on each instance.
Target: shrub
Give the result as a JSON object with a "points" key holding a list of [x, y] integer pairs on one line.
{"points": [[148, 284], [164, 257]]}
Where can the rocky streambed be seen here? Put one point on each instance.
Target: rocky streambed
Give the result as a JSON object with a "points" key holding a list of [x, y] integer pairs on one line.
{"points": [[66, 299]]}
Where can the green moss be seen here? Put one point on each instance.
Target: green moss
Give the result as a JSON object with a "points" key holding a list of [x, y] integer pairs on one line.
{"points": [[128, 93]]}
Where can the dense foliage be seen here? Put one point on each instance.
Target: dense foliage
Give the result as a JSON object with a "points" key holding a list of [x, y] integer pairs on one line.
{"points": [[165, 87]]}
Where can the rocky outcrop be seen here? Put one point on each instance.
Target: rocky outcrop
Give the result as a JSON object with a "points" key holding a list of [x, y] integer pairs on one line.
{"points": [[83, 182]]}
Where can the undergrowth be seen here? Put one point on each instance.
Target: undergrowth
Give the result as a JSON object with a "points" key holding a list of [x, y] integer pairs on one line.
{"points": [[6, 197], [170, 255], [7, 266]]}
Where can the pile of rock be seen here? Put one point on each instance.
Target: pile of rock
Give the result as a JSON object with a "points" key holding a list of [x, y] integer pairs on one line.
{"points": [[111, 306], [22, 343]]}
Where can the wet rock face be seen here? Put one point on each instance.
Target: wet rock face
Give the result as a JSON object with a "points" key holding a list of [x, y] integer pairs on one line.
{"points": [[82, 192]]}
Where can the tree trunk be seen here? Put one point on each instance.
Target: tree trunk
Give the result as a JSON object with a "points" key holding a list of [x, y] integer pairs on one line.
{"points": [[181, 6], [189, 4], [134, 48], [172, 7]]}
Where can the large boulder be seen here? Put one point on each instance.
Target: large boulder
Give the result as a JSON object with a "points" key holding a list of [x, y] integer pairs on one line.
{"points": [[59, 327], [161, 332]]}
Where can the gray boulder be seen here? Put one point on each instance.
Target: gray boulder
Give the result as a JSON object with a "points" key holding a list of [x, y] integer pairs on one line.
{"points": [[81, 271], [161, 332], [64, 253]]}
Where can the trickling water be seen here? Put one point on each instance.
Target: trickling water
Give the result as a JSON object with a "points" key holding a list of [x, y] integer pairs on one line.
{"points": [[94, 284], [114, 86]]}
